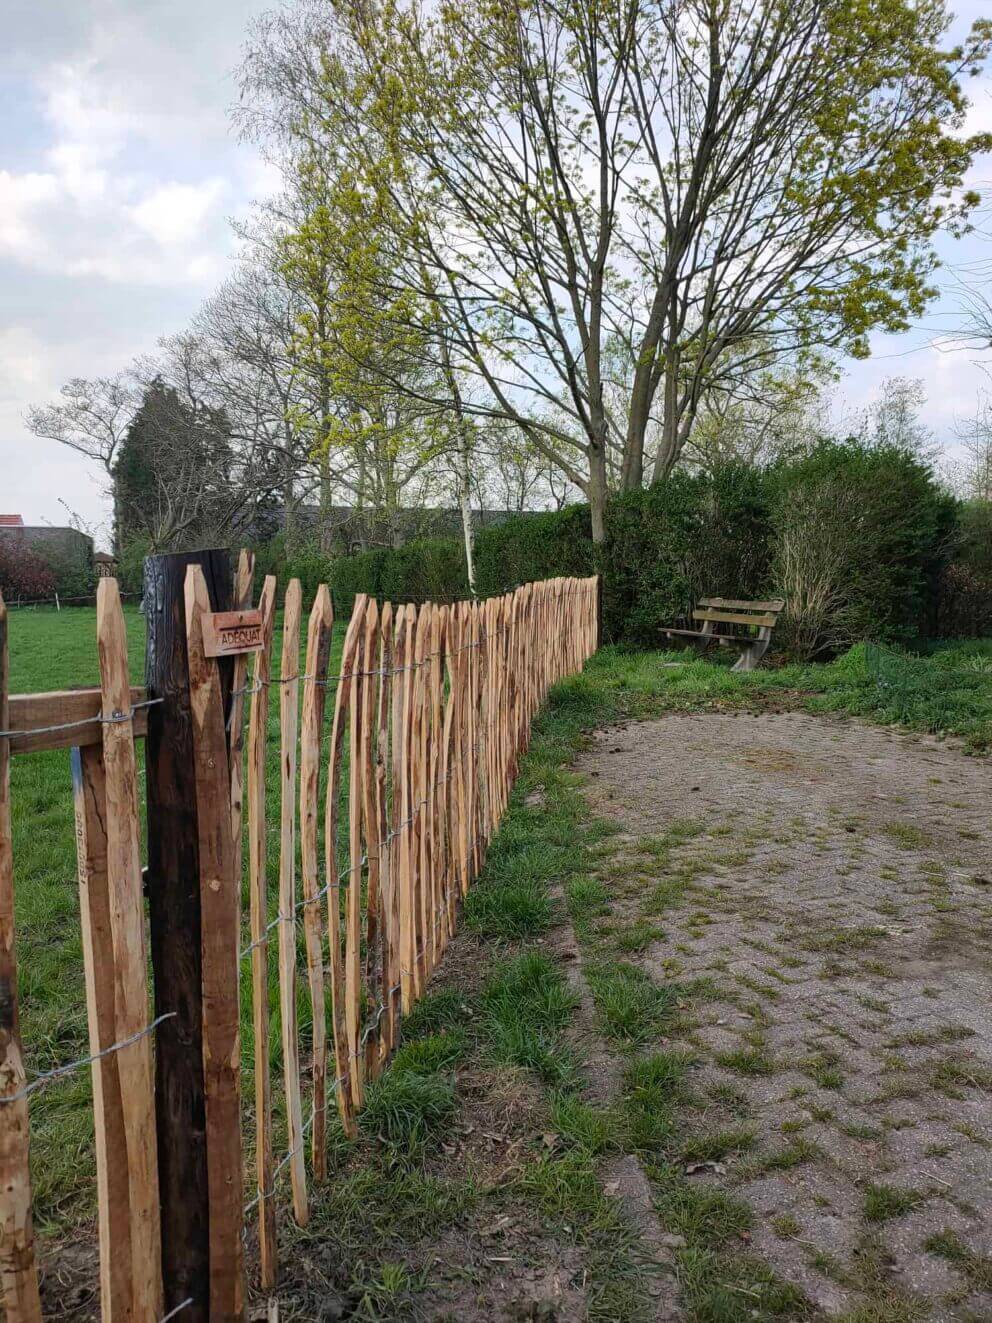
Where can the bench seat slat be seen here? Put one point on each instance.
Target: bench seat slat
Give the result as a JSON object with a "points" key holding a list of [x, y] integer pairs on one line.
{"points": [[733, 604], [735, 618]]}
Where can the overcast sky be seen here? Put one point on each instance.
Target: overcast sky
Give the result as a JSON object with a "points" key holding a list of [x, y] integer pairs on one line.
{"points": [[118, 173]]}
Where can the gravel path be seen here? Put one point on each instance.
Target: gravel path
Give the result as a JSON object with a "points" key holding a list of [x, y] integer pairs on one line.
{"points": [[831, 885]]}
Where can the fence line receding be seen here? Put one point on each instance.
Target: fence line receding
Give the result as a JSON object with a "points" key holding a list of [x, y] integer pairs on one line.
{"points": [[393, 774]]}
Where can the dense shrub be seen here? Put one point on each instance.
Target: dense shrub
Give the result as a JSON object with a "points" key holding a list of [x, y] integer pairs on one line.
{"points": [[964, 592], [72, 566], [23, 573], [964, 608], [425, 568], [692, 536], [861, 537]]}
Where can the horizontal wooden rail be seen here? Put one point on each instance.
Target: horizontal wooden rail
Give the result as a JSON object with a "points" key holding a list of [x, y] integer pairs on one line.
{"points": [[32, 716]]}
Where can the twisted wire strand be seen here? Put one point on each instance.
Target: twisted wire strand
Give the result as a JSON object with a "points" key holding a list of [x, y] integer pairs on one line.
{"points": [[115, 719], [46, 1077]]}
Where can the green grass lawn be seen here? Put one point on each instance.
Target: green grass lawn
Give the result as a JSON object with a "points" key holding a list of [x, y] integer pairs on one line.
{"points": [[949, 691]]}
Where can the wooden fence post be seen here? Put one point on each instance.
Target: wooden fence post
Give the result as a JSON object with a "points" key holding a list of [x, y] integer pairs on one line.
{"points": [[18, 1274], [220, 910], [174, 910]]}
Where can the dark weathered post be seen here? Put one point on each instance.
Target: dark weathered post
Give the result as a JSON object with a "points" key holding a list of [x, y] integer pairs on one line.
{"points": [[174, 906]]}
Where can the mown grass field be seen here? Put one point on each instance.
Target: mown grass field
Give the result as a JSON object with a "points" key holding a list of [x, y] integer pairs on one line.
{"points": [[949, 691]]}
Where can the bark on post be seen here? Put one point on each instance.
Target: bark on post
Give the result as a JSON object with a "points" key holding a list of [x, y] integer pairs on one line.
{"points": [[174, 906]]}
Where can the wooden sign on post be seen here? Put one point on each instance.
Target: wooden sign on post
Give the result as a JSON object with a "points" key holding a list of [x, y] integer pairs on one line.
{"points": [[226, 633]]}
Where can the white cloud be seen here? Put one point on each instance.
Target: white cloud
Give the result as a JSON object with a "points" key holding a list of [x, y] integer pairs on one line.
{"points": [[113, 204], [175, 213], [21, 199]]}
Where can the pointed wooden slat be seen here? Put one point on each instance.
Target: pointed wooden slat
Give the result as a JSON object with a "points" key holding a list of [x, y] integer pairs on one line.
{"points": [[243, 577], [435, 682], [289, 716], [398, 802], [219, 909], [314, 696], [408, 920], [373, 895], [448, 807], [89, 787], [336, 961], [258, 724], [421, 881], [127, 926], [390, 929], [18, 1271], [353, 911]]}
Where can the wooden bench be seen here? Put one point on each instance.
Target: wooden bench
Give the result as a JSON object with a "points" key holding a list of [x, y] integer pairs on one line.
{"points": [[747, 616]]}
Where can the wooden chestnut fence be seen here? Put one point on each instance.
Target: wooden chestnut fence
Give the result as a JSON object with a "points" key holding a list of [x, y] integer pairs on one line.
{"points": [[393, 774]]}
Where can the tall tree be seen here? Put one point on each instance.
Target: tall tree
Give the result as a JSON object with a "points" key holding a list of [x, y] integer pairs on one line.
{"points": [[92, 418], [689, 176], [174, 472]]}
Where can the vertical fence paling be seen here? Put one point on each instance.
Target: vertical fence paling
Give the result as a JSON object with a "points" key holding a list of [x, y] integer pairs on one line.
{"points": [[130, 964], [243, 577], [432, 713], [289, 715], [219, 916], [258, 916], [18, 1274], [89, 786], [314, 693]]}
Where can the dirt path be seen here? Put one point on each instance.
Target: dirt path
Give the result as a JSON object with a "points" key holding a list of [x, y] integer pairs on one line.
{"points": [[829, 888]]}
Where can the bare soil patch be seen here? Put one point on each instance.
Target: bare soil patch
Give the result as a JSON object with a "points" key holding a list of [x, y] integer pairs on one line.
{"points": [[831, 893]]}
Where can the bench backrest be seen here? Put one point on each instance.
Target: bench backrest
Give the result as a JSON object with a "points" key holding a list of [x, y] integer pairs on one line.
{"points": [[732, 611]]}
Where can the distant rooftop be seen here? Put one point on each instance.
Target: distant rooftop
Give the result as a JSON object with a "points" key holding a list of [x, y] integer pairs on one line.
{"points": [[11, 521]]}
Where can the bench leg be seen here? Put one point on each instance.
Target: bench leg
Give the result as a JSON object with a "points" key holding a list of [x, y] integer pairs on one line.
{"points": [[753, 651]]}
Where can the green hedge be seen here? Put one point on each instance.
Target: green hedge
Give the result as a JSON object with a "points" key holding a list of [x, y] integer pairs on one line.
{"points": [[535, 546], [428, 568], [859, 539], [692, 536]]}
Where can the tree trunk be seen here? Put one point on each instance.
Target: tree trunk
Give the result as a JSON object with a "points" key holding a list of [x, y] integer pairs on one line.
{"points": [[116, 546], [324, 516], [465, 501], [289, 514], [668, 450], [597, 492]]}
